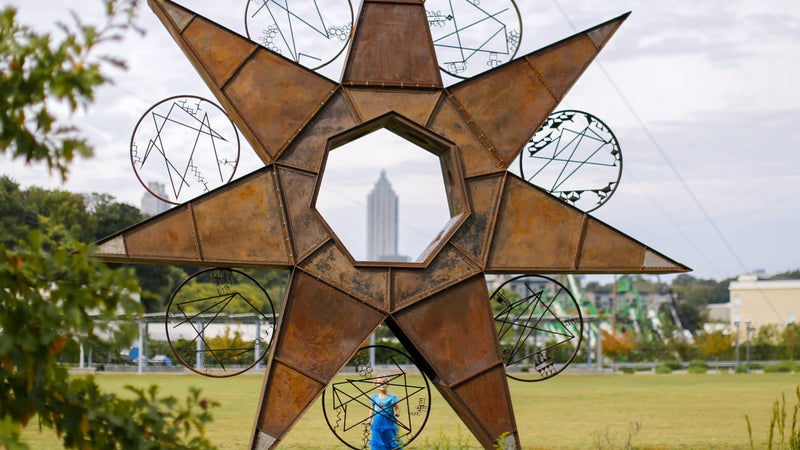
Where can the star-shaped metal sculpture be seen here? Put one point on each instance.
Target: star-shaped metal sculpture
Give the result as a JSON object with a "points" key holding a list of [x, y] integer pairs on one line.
{"points": [[438, 306]]}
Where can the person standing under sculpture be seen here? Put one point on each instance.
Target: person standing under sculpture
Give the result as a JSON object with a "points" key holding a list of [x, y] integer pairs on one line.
{"points": [[383, 422]]}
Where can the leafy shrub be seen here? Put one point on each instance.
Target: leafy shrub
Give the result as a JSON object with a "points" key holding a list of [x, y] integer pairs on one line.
{"points": [[662, 368], [697, 366], [782, 367]]}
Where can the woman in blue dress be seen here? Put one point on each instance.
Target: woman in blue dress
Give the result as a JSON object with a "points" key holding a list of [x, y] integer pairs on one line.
{"points": [[383, 423]]}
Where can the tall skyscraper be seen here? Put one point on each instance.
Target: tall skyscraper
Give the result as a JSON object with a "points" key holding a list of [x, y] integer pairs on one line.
{"points": [[152, 205], [382, 221]]}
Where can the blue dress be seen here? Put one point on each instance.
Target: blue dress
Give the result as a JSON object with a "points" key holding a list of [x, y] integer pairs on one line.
{"points": [[384, 425]]}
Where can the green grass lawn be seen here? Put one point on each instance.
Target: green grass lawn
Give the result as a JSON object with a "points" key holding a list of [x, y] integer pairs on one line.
{"points": [[567, 412]]}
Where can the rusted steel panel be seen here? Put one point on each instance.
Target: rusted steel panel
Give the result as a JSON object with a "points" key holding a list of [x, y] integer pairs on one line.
{"points": [[175, 19], [311, 335], [260, 89], [600, 34], [484, 404], [477, 158], [219, 50], [473, 237], [392, 45], [305, 225], [530, 87], [169, 237], [454, 331], [242, 222], [448, 268], [172, 15], [307, 151], [415, 104], [331, 265], [497, 99], [562, 63], [286, 395], [535, 232], [605, 249]]}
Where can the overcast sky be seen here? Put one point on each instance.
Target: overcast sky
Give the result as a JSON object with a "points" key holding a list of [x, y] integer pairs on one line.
{"points": [[702, 96]]}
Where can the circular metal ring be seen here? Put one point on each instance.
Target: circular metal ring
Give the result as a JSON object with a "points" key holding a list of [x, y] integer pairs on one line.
{"points": [[350, 405], [220, 322], [327, 26], [471, 36], [539, 326], [184, 146], [576, 157]]}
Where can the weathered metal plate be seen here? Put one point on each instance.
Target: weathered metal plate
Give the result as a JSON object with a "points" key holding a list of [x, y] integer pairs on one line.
{"points": [[334, 267], [413, 104], [456, 350], [487, 416], [496, 100], [178, 16], [605, 247], [169, 237], [243, 222], [516, 247], [306, 228], [562, 63], [261, 101], [311, 337], [286, 395], [307, 151], [473, 237], [447, 269], [220, 51], [477, 158], [392, 45]]}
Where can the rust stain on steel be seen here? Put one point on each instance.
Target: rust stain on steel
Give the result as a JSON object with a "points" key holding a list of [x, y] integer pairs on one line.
{"points": [[307, 228], [170, 237], [484, 406], [412, 285], [308, 331], [392, 46], [243, 222], [449, 123], [439, 306], [433, 329], [473, 237], [307, 151], [414, 104], [525, 207], [263, 106], [332, 266]]}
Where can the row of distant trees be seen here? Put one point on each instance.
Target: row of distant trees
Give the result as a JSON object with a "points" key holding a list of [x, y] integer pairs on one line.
{"points": [[768, 343], [51, 289]]}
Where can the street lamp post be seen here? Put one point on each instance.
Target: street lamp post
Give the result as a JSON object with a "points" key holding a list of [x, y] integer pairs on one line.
{"points": [[738, 327], [747, 323]]}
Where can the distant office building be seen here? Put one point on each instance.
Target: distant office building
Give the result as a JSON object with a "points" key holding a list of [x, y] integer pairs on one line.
{"points": [[382, 222], [151, 205], [760, 302]]}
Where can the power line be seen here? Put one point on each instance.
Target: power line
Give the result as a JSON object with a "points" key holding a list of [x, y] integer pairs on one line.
{"points": [[661, 151]]}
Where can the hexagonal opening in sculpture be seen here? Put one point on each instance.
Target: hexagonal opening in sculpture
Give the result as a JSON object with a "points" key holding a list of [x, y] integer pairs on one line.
{"points": [[391, 191]]}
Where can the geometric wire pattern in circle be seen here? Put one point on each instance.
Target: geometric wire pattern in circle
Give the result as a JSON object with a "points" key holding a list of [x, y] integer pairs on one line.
{"points": [[220, 322], [348, 406], [574, 156], [471, 36], [540, 326], [312, 33], [187, 144]]}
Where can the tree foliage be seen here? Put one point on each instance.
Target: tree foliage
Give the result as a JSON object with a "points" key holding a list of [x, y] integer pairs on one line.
{"points": [[39, 74], [52, 291]]}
